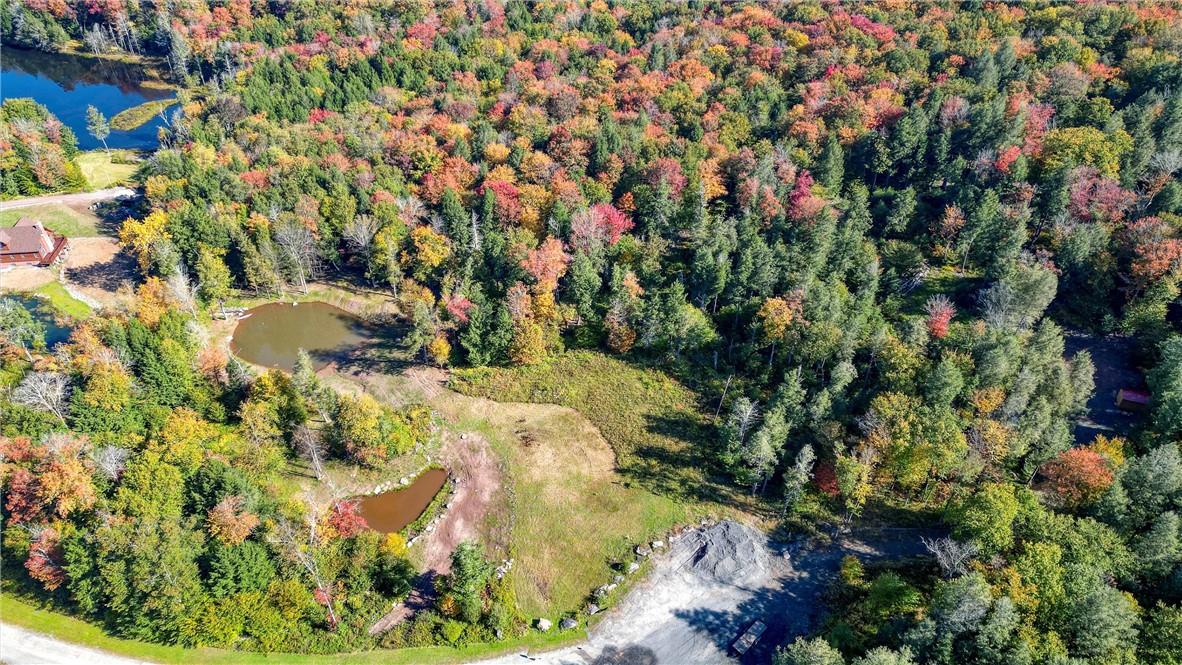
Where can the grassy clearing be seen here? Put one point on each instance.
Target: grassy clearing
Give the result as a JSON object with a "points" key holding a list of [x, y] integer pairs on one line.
{"points": [[577, 507], [104, 170], [56, 217], [18, 612], [134, 117], [651, 421], [63, 302], [958, 286]]}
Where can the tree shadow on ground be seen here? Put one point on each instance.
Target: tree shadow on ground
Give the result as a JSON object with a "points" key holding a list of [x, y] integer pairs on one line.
{"points": [[629, 655], [685, 470], [112, 213], [108, 276], [792, 606]]}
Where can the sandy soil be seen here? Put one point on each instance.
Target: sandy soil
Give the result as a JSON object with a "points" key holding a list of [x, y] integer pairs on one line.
{"points": [[25, 278], [477, 475], [97, 269]]}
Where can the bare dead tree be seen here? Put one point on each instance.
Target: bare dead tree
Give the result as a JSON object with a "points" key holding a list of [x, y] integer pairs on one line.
{"points": [[110, 460], [411, 210], [182, 289], [20, 330], [297, 246], [46, 391], [359, 234], [744, 415], [952, 556], [311, 447]]}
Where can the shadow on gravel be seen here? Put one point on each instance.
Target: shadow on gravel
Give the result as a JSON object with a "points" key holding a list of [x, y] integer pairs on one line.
{"points": [[631, 655]]}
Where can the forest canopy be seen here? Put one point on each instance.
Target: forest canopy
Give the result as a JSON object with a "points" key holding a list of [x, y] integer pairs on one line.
{"points": [[861, 230]]}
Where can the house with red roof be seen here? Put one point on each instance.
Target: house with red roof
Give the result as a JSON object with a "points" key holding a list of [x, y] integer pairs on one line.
{"points": [[29, 243]]}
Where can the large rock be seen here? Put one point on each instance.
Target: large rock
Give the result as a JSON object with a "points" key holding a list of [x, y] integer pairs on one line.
{"points": [[544, 624], [568, 623]]}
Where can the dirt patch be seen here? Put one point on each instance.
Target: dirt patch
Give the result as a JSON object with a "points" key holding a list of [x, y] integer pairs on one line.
{"points": [[477, 476], [98, 270], [25, 278]]}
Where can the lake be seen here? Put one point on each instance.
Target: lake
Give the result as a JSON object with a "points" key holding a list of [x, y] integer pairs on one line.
{"points": [[272, 335], [390, 512], [66, 84]]}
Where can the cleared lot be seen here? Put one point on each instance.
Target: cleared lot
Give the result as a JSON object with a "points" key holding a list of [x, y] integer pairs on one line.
{"points": [[711, 585]]}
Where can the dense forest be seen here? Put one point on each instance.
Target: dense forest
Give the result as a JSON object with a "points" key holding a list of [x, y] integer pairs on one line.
{"points": [[873, 223], [36, 151]]}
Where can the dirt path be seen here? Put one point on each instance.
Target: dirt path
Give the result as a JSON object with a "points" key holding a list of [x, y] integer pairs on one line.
{"points": [[477, 475], [69, 199], [679, 616]]}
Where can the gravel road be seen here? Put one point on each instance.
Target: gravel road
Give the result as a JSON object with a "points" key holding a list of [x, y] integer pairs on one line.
{"points": [[66, 199], [685, 613], [24, 647]]}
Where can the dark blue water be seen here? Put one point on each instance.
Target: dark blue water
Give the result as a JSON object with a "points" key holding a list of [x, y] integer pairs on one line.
{"points": [[57, 329], [67, 84]]}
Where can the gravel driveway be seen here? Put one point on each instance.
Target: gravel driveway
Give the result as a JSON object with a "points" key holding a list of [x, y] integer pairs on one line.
{"points": [[685, 613]]}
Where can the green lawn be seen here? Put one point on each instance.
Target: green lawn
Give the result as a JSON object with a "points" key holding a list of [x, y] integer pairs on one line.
{"points": [[18, 612], [63, 302], [57, 218], [103, 170]]}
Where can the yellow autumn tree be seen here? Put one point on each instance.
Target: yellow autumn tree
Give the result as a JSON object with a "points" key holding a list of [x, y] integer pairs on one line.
{"points": [[140, 236]]}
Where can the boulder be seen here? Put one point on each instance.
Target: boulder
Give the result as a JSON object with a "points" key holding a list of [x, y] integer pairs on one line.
{"points": [[641, 550], [568, 623], [592, 608], [633, 567], [544, 624], [658, 544]]}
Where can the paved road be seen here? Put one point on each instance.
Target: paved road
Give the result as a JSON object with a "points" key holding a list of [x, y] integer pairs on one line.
{"points": [[81, 197], [24, 647]]}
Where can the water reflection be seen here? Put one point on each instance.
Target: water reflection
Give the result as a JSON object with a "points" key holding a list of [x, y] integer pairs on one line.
{"points": [[67, 84], [392, 511], [271, 335]]}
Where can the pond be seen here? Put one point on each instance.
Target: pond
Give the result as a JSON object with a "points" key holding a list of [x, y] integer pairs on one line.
{"points": [[66, 84], [56, 331], [390, 512], [272, 335]]}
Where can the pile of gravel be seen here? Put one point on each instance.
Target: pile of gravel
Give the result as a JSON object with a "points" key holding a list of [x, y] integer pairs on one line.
{"points": [[728, 552]]}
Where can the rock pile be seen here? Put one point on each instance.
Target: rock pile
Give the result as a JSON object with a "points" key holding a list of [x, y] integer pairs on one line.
{"points": [[727, 552]]}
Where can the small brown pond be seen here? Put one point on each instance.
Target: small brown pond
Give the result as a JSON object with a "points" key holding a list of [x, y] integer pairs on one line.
{"points": [[272, 335], [391, 511]]}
